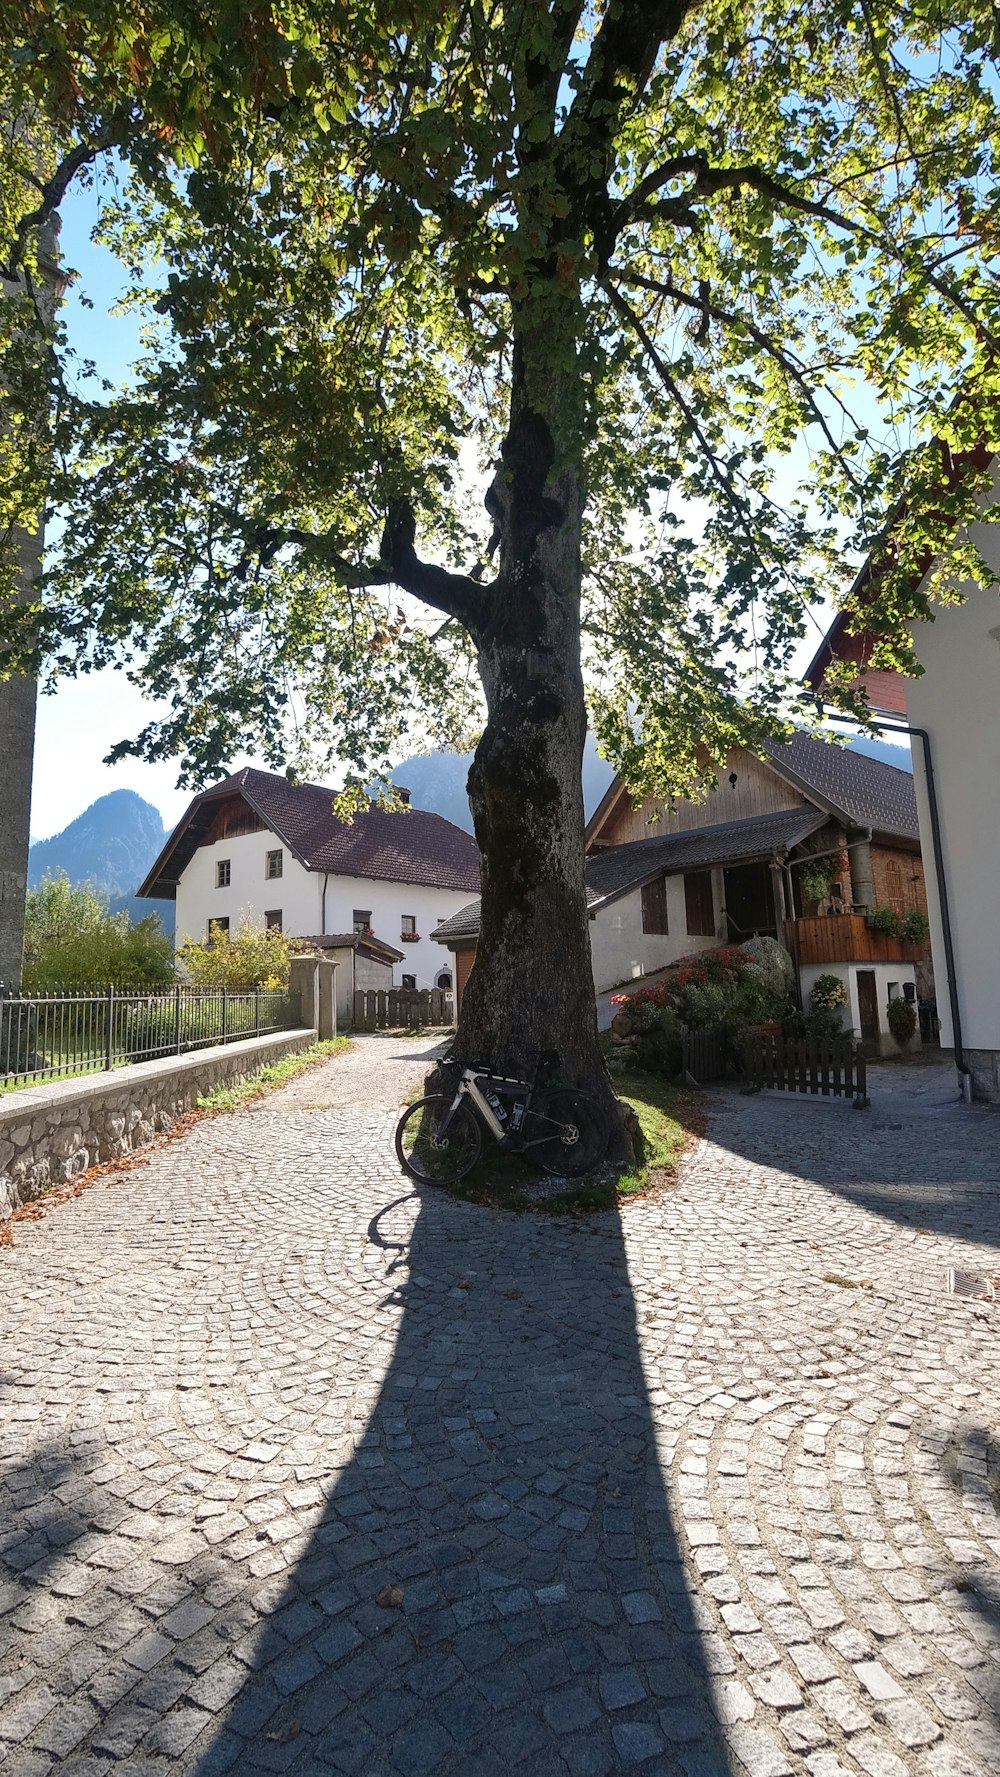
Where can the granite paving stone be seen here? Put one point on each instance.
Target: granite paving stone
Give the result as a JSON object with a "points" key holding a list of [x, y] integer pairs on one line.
{"points": [[305, 1470]]}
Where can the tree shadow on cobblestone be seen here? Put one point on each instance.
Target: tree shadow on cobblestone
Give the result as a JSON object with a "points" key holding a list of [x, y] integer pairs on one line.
{"points": [[508, 1484], [941, 1177]]}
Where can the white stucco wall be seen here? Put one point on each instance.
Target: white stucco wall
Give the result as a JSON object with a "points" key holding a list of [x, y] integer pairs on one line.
{"points": [[886, 975], [249, 895], [621, 950], [299, 895], [958, 701]]}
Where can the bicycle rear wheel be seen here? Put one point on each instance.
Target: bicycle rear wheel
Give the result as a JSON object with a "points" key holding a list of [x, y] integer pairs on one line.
{"points": [[579, 1138], [434, 1146]]}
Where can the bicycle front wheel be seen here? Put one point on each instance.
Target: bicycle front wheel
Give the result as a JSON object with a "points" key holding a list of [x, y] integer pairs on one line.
{"points": [[579, 1137], [436, 1146]]}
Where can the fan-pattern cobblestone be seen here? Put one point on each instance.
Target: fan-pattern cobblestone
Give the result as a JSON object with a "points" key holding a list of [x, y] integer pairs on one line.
{"points": [[709, 1491]]}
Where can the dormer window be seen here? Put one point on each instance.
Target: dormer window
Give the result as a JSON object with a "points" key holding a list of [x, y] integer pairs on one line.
{"points": [[274, 865]]}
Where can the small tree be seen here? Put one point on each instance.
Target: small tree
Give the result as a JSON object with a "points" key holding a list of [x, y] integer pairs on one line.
{"points": [[249, 957], [71, 939]]}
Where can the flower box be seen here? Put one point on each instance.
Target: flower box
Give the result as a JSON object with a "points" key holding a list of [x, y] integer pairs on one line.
{"points": [[409, 937]]}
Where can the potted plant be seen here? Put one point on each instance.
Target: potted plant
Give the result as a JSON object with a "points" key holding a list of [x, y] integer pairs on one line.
{"points": [[409, 937], [828, 994], [814, 883]]}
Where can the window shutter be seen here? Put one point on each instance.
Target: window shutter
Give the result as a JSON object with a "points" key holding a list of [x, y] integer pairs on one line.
{"points": [[654, 906]]}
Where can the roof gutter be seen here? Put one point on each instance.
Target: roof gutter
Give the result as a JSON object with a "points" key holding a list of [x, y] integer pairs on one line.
{"points": [[940, 878]]}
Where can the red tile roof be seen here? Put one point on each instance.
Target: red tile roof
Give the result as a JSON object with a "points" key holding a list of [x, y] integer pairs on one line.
{"points": [[409, 845]]}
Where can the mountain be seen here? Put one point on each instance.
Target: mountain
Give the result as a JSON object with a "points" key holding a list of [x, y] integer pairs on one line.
{"points": [[436, 781], [112, 844], [884, 750]]}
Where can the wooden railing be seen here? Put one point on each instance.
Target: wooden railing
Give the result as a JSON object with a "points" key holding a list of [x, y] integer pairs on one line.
{"points": [[396, 1008], [847, 938], [827, 1069]]}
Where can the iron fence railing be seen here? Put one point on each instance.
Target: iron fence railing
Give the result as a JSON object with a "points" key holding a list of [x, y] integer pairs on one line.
{"points": [[87, 1030]]}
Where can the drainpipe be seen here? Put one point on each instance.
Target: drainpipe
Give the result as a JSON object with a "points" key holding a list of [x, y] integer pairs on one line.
{"points": [[322, 917], [937, 848]]}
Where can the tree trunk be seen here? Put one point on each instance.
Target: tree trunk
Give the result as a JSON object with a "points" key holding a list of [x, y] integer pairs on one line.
{"points": [[532, 987]]}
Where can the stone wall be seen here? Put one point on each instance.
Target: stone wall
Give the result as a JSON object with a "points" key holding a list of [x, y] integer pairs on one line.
{"points": [[50, 1134]]}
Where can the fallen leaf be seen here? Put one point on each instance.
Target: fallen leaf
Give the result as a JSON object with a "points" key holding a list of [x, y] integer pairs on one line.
{"points": [[283, 1735], [390, 1597], [464, 1283]]}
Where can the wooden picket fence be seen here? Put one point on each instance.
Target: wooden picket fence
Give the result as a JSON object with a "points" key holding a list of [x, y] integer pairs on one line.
{"points": [[705, 1055], [396, 1008], [827, 1069]]}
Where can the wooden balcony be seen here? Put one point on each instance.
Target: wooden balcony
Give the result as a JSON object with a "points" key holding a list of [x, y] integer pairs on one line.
{"points": [[847, 938]]}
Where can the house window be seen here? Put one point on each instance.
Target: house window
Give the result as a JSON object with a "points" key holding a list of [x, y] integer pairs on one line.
{"points": [[223, 873], [408, 925], [410, 981], [215, 927], [272, 920], [654, 906], [274, 865], [362, 919], [699, 903]]}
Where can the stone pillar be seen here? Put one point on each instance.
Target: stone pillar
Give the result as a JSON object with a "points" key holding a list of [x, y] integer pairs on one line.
{"points": [[326, 1022], [862, 880], [304, 981]]}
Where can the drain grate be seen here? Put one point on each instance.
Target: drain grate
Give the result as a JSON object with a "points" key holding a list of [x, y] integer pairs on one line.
{"points": [[973, 1285]]}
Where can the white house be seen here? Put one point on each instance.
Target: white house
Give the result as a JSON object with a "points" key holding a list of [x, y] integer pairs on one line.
{"points": [[952, 713], [257, 847]]}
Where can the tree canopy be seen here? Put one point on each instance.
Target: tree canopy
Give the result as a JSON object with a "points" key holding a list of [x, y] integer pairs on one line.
{"points": [[763, 236]]}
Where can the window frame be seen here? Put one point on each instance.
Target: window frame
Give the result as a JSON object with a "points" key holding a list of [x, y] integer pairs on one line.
{"points": [[223, 864], [273, 920], [222, 921], [409, 982], [270, 859], [359, 915], [408, 925]]}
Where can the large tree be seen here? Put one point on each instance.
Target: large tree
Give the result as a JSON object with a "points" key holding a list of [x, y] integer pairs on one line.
{"points": [[681, 286]]}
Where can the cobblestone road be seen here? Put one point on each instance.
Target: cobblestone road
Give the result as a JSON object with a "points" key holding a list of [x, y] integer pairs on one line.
{"points": [[709, 1493]]}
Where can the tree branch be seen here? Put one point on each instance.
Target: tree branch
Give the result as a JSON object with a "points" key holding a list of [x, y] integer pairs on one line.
{"points": [[702, 304], [710, 180], [459, 596], [53, 191]]}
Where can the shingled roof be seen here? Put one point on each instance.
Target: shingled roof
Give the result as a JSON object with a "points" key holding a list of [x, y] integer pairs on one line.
{"points": [[621, 868], [406, 845], [865, 792]]}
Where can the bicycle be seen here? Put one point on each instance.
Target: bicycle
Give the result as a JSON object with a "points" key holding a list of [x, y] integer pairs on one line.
{"points": [[440, 1138]]}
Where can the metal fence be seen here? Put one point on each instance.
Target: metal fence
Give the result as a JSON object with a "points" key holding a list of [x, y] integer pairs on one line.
{"points": [[68, 1031]]}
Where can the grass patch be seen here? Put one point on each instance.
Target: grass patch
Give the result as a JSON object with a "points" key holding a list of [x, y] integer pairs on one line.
{"points": [[670, 1117], [277, 1073]]}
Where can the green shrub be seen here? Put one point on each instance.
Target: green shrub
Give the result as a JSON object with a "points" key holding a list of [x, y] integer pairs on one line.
{"points": [[71, 939], [658, 1046], [252, 956], [902, 1015]]}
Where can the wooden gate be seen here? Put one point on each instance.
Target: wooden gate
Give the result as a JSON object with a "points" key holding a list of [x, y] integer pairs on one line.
{"points": [[396, 1008], [828, 1069], [704, 1054]]}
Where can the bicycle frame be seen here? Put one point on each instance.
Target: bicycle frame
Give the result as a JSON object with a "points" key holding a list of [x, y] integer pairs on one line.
{"points": [[468, 1087]]}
